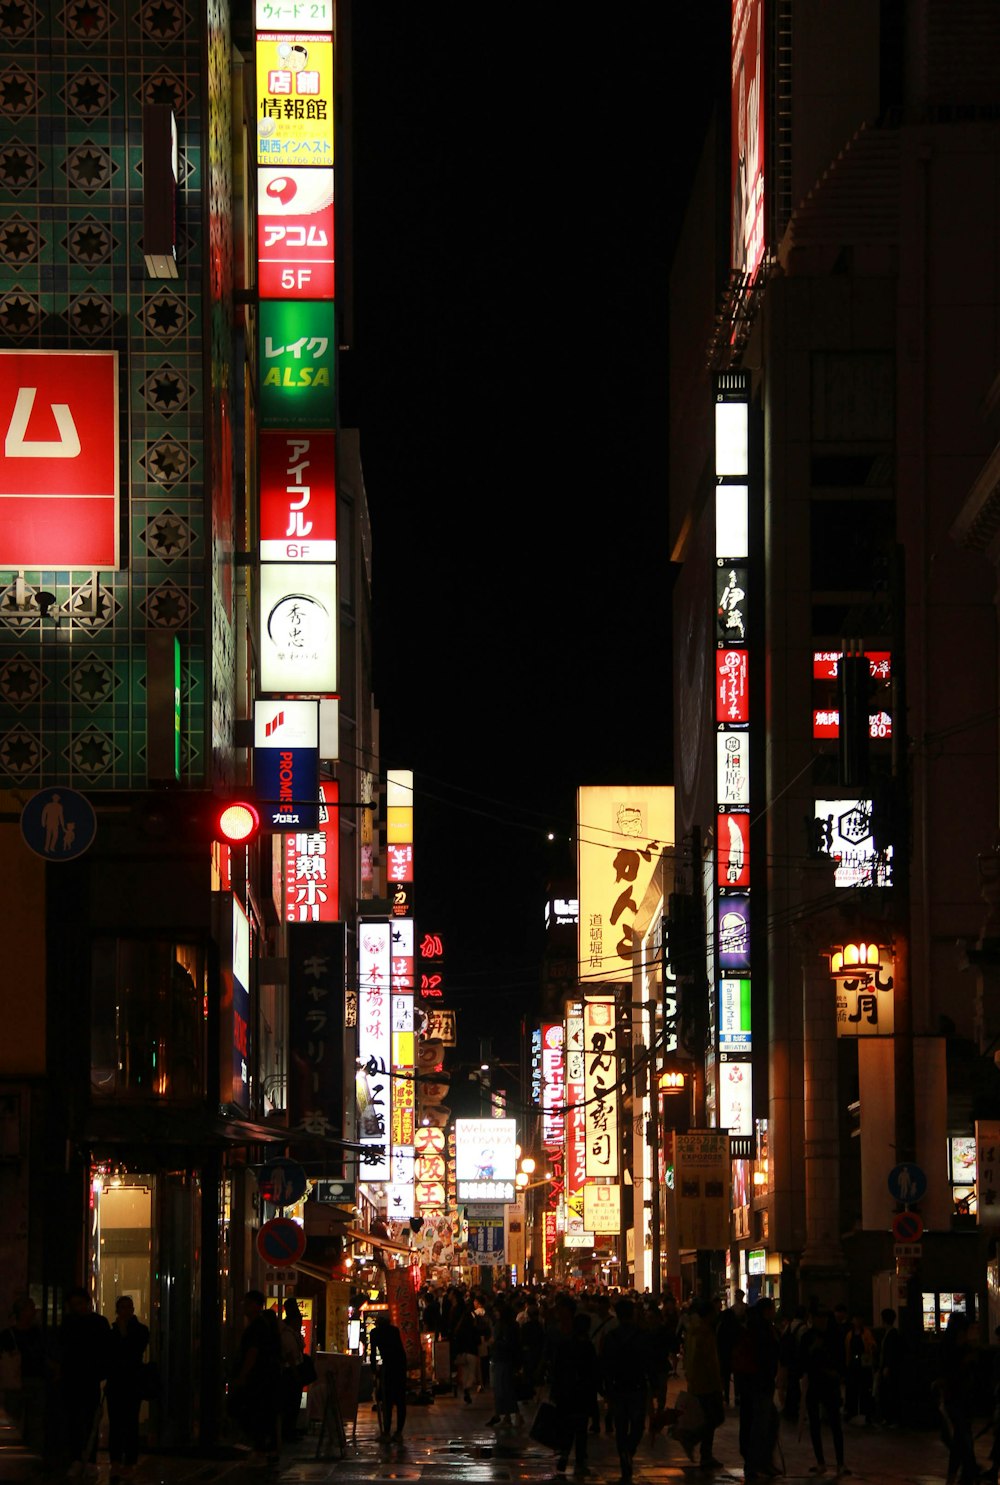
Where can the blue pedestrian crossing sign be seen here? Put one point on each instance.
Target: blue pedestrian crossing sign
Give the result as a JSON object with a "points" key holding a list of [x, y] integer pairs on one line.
{"points": [[907, 1182], [58, 824]]}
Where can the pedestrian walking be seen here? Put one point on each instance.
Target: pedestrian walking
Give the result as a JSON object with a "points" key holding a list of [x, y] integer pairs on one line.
{"points": [[505, 1362], [602, 1322], [387, 1341], [859, 1358], [704, 1384], [256, 1386], [889, 1376], [571, 1369], [83, 1365], [625, 1371], [731, 1323], [293, 1350], [127, 1344], [465, 1349], [958, 1371], [822, 1370], [24, 1373], [755, 1368]]}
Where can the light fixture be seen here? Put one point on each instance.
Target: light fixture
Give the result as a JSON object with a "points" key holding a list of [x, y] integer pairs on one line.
{"points": [[853, 956]]}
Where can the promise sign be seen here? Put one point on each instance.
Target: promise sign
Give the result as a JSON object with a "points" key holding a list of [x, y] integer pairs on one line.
{"points": [[59, 486]]}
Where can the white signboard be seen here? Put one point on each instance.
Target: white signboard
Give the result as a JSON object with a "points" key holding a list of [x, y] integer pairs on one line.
{"points": [[298, 627]]}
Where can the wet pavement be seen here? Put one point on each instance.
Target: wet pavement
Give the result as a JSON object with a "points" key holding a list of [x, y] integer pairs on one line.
{"points": [[450, 1441]]}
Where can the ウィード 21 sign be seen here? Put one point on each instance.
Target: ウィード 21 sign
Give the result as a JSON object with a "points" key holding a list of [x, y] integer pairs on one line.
{"points": [[59, 485]]}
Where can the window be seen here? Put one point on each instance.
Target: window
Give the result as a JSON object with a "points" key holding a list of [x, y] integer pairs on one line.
{"points": [[148, 1009]]}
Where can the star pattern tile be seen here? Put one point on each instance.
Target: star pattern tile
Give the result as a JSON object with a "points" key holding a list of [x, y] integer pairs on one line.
{"points": [[162, 20], [20, 241], [164, 315], [166, 391], [19, 166], [88, 94], [166, 462], [91, 681], [167, 535], [18, 93], [164, 86], [92, 752], [17, 19], [89, 167], [80, 607], [168, 607], [91, 315], [21, 681], [21, 752], [90, 242], [87, 20], [20, 314]]}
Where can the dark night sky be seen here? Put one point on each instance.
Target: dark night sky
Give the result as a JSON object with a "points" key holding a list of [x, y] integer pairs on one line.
{"points": [[517, 194]]}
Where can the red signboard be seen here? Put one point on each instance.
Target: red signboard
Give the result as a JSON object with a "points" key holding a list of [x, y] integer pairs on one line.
{"points": [[734, 850], [312, 865], [747, 143], [732, 692], [298, 497], [295, 234], [59, 459]]}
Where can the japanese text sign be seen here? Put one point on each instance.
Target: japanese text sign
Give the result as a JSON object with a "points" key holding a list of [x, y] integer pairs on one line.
{"points": [[295, 98], [298, 497]]}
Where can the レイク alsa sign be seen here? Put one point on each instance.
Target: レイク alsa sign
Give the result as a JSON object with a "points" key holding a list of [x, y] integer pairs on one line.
{"points": [[59, 459]]}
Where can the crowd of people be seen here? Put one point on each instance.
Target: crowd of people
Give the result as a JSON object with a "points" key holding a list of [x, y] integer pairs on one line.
{"points": [[604, 1361]]}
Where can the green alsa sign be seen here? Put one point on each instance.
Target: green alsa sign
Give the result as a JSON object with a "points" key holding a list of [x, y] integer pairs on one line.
{"points": [[297, 357]]}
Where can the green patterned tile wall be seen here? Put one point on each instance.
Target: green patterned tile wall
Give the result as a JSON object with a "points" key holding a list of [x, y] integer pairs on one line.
{"points": [[73, 79]]}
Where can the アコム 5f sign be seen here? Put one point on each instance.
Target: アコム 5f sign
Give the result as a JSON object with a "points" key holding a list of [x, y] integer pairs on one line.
{"points": [[59, 459]]}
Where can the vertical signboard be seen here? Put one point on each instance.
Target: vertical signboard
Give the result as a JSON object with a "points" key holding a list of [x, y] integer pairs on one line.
{"points": [[702, 1184], [316, 983], [600, 1085], [734, 714], [295, 98], [312, 865], [297, 358], [374, 1050], [747, 142], [576, 1119], [298, 497], [621, 833], [295, 234]]}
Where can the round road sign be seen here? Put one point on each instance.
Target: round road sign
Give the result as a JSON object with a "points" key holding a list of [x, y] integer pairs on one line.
{"points": [[282, 1182], [58, 824], [907, 1227], [281, 1242], [907, 1183]]}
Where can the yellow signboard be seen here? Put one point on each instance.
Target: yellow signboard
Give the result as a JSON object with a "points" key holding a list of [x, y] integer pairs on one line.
{"points": [[295, 98], [602, 1208], [621, 833]]}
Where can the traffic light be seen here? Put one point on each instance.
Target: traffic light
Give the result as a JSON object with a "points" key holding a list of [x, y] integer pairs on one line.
{"points": [[237, 822]]}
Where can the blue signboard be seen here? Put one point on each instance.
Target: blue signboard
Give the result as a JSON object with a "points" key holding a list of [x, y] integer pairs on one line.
{"points": [[58, 824], [907, 1182], [286, 783]]}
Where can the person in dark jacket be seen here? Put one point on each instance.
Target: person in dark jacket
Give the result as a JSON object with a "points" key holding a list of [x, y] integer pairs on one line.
{"points": [[755, 1365], [505, 1360], [126, 1348], [387, 1341], [890, 1370], [465, 1349], [958, 1367], [256, 1387], [571, 1367], [625, 1370], [83, 1365], [28, 1405], [822, 1363]]}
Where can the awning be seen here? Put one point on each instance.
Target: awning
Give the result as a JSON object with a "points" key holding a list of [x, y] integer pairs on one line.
{"points": [[376, 1241]]}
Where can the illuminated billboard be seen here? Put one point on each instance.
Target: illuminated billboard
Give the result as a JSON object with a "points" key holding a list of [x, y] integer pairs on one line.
{"points": [[298, 627], [295, 98], [747, 135], [295, 256], [733, 861], [844, 832], [732, 696], [312, 865], [602, 1209], [600, 1085], [485, 1159], [59, 459], [621, 833], [298, 497], [297, 361]]}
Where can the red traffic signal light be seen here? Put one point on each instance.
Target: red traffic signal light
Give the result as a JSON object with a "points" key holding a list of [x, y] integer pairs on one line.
{"points": [[236, 822]]}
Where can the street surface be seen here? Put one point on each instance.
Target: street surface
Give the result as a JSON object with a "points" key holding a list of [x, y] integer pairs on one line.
{"points": [[449, 1441]]}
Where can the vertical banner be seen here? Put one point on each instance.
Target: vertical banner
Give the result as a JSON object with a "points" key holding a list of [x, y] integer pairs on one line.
{"points": [[600, 1085], [374, 1050], [403, 1312], [576, 1119], [316, 983], [748, 156], [988, 1172]]}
